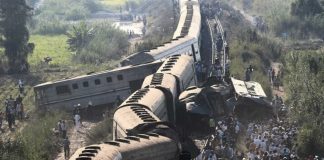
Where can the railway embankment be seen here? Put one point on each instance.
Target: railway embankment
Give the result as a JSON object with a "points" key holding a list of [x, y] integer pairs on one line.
{"points": [[299, 88]]}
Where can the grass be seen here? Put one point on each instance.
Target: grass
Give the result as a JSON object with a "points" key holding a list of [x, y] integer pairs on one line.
{"points": [[102, 132], [53, 46]]}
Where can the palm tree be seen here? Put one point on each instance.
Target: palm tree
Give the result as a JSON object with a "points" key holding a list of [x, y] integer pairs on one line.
{"points": [[79, 37]]}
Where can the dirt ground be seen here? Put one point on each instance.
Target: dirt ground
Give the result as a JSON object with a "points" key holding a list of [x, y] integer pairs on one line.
{"points": [[281, 92], [77, 138]]}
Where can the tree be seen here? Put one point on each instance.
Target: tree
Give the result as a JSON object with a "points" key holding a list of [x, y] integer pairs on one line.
{"points": [[305, 8], [79, 37], [305, 87], [13, 19]]}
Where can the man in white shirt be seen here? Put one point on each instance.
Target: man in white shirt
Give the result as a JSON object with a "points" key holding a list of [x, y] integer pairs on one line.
{"points": [[237, 128], [63, 127], [257, 141], [250, 155], [77, 121]]}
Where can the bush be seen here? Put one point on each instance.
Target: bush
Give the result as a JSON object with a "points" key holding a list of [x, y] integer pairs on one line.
{"points": [[107, 43], [310, 141], [51, 16], [35, 141], [38, 139], [101, 132], [304, 90], [77, 13], [45, 27]]}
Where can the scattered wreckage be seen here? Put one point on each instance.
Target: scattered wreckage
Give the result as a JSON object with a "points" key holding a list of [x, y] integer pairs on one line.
{"points": [[246, 100]]}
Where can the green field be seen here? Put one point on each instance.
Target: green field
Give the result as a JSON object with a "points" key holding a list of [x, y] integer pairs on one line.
{"points": [[115, 4], [53, 46]]}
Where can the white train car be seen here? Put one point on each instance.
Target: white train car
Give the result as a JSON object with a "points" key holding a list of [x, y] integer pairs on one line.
{"points": [[99, 88]]}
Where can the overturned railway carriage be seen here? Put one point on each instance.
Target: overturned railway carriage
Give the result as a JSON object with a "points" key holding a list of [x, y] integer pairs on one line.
{"points": [[250, 100], [99, 88], [186, 38]]}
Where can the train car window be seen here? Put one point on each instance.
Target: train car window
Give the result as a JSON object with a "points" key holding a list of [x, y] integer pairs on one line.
{"points": [[120, 77], [75, 86], [109, 79], [86, 84], [62, 89], [97, 82]]}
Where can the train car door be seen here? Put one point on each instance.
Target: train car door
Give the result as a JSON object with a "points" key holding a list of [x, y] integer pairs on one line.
{"points": [[40, 96], [135, 85]]}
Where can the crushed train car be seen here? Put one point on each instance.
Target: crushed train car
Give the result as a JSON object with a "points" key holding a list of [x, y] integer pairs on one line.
{"points": [[247, 100], [250, 100]]}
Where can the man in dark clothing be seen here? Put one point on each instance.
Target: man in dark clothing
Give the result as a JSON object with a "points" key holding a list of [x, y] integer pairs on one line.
{"points": [[247, 75], [251, 68], [12, 115], [11, 101], [7, 110], [66, 146], [18, 99], [273, 74], [1, 119], [118, 101]]}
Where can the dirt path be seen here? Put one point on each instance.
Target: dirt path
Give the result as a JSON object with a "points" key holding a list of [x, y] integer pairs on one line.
{"points": [[281, 92], [247, 17], [77, 139]]}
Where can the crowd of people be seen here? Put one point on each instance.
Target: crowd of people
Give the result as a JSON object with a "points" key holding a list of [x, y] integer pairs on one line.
{"points": [[263, 140], [271, 140], [221, 143], [62, 127], [61, 131], [14, 108]]}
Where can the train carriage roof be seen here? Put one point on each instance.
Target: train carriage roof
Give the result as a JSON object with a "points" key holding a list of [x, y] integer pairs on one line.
{"points": [[189, 19], [143, 97], [175, 65], [138, 58], [131, 117], [248, 88], [134, 147]]}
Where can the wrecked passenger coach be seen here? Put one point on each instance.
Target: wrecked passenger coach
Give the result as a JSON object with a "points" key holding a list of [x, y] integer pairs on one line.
{"points": [[250, 101], [245, 99]]}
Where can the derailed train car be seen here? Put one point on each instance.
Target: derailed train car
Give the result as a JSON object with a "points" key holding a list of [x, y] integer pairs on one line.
{"points": [[250, 100], [99, 88], [246, 99], [159, 95]]}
